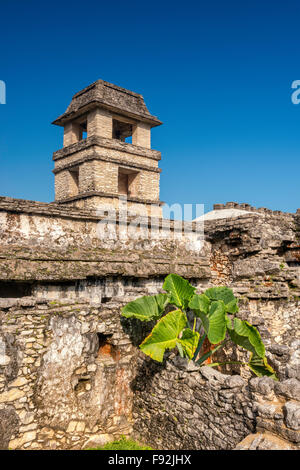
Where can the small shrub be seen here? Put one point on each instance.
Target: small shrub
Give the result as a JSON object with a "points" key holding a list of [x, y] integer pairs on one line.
{"points": [[211, 316]]}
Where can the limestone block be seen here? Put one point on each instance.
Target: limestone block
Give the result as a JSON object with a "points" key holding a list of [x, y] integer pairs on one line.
{"points": [[288, 388], [19, 442], [266, 410], [11, 395], [18, 382], [71, 426], [28, 427], [234, 381], [71, 133], [264, 441], [97, 440], [292, 415], [141, 135], [80, 427], [262, 385], [99, 123], [26, 417]]}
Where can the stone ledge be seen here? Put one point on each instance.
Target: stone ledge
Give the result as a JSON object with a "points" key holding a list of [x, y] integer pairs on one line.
{"points": [[112, 144], [108, 195], [94, 156], [249, 208], [264, 441], [49, 270], [59, 210]]}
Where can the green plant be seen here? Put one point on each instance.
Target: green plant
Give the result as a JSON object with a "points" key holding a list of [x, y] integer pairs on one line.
{"points": [[216, 311], [122, 444]]}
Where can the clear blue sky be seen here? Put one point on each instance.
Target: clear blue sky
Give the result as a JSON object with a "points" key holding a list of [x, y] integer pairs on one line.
{"points": [[218, 74]]}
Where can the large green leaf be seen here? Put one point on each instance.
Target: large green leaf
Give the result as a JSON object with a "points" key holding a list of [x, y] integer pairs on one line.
{"points": [[189, 341], [217, 322], [199, 303], [164, 335], [146, 308], [180, 290], [247, 336], [162, 301], [261, 367], [225, 294], [220, 293], [180, 349], [232, 307]]}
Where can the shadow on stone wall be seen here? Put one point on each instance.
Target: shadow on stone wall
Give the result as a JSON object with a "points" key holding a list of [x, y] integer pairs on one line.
{"points": [[9, 425], [179, 405]]}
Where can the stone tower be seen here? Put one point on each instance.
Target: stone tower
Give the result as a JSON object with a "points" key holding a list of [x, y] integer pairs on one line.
{"points": [[107, 151]]}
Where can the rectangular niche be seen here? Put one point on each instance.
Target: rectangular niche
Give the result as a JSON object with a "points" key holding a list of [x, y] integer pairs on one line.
{"points": [[74, 182], [122, 131], [82, 129], [15, 289], [127, 182]]}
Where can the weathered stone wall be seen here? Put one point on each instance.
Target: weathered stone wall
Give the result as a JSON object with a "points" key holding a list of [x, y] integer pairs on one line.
{"points": [[258, 257], [111, 150], [42, 241], [67, 360], [103, 201], [179, 405], [99, 160], [66, 366], [99, 123]]}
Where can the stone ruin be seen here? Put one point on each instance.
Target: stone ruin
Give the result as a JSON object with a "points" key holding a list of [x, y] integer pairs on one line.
{"points": [[71, 373]]}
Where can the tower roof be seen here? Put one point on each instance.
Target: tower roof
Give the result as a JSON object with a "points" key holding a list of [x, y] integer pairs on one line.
{"points": [[109, 96]]}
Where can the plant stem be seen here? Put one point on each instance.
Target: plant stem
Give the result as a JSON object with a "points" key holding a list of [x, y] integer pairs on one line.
{"points": [[227, 362], [201, 340]]}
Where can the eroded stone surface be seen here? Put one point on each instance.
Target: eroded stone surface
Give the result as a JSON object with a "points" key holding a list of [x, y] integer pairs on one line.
{"points": [[62, 289], [264, 441], [9, 424], [179, 408]]}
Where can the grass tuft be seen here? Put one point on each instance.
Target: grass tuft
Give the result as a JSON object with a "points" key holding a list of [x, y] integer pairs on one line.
{"points": [[122, 444]]}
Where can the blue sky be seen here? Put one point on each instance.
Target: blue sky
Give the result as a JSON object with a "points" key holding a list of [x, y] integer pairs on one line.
{"points": [[218, 74]]}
